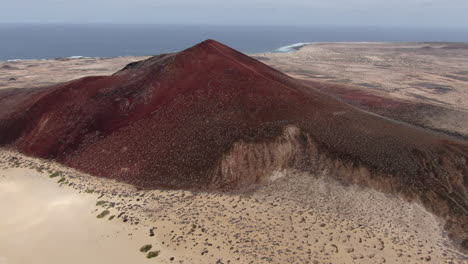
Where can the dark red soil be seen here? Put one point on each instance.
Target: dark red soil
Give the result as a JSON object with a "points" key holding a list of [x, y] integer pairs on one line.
{"points": [[394, 108], [168, 121]]}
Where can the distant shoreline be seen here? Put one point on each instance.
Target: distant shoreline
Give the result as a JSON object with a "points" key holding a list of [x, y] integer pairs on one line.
{"points": [[290, 48], [284, 49], [109, 41]]}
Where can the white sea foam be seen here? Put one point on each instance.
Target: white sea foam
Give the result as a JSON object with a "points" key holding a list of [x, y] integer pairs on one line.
{"points": [[77, 57], [71, 57], [293, 47]]}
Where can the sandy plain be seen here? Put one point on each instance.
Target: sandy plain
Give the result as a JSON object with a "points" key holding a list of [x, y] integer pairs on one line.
{"points": [[430, 78], [53, 214]]}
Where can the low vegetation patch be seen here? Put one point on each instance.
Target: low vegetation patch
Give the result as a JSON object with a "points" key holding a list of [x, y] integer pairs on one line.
{"points": [[103, 214], [55, 174], [101, 203], [145, 248], [153, 254]]}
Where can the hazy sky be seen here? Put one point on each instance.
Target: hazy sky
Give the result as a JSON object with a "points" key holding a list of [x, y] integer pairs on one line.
{"points": [[407, 13]]}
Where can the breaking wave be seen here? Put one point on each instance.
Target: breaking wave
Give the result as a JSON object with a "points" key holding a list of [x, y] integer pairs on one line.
{"points": [[293, 47]]}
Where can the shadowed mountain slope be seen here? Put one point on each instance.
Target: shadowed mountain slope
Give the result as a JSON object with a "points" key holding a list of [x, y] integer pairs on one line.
{"points": [[210, 117]]}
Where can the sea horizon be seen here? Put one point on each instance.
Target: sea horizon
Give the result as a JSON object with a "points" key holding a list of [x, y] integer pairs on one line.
{"points": [[50, 41]]}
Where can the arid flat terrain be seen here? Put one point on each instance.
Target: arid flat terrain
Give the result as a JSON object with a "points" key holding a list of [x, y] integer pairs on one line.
{"points": [[295, 216], [436, 72], [431, 77], [296, 219], [36, 73]]}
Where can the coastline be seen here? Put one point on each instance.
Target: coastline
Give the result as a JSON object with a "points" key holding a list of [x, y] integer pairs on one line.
{"points": [[289, 48], [283, 49]]}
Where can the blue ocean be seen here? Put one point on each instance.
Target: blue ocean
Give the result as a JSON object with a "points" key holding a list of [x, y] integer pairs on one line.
{"points": [[97, 40]]}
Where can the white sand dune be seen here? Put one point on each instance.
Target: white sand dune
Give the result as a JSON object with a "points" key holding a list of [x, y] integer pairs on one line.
{"points": [[43, 223]]}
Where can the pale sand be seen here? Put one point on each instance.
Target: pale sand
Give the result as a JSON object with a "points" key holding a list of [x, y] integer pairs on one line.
{"points": [[43, 223], [295, 219], [435, 73]]}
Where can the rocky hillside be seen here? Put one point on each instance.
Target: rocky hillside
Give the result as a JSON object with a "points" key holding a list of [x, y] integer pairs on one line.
{"points": [[210, 117]]}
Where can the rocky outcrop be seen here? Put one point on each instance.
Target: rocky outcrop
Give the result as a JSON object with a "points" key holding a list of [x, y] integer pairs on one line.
{"points": [[246, 164]]}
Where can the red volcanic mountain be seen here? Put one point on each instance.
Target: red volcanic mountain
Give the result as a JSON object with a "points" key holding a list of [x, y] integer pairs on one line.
{"points": [[210, 117]]}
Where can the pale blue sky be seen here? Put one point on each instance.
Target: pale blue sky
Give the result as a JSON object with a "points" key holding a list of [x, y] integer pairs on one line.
{"points": [[388, 13]]}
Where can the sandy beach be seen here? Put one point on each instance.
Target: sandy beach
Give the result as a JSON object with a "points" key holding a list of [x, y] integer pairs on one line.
{"points": [[53, 214]]}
